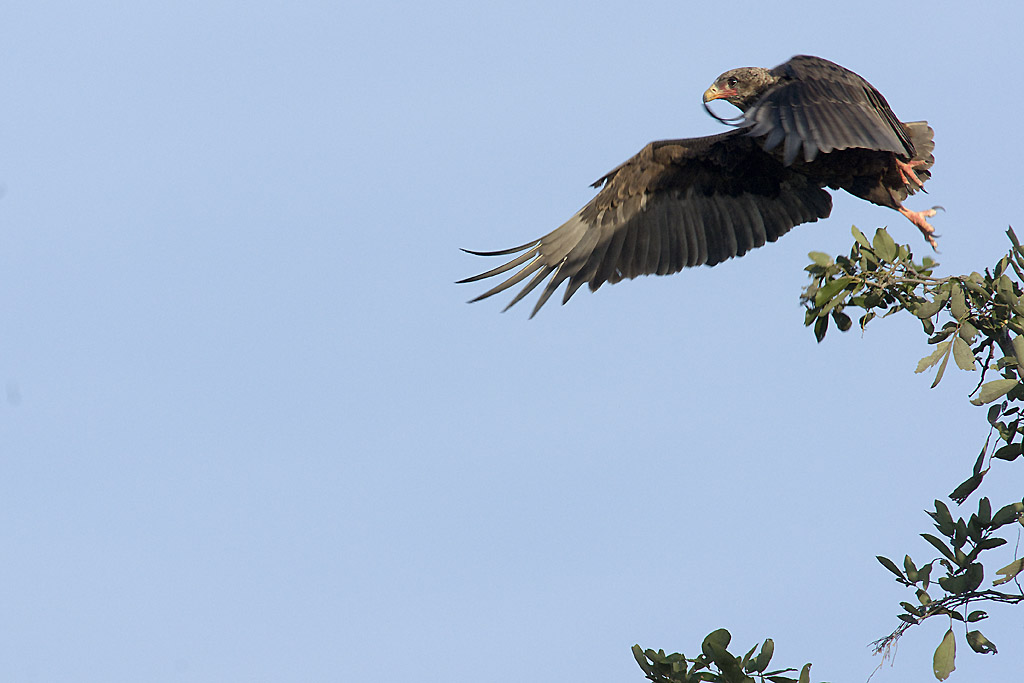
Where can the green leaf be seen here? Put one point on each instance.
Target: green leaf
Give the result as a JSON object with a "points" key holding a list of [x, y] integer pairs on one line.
{"points": [[958, 302], [1009, 571], [776, 672], [977, 615], [942, 366], [826, 293], [980, 462], [911, 609], [805, 673], [820, 258], [1013, 237], [960, 533], [945, 653], [1018, 349], [860, 237], [718, 638], [884, 245], [980, 643], [975, 575], [1004, 285], [910, 568], [940, 546], [967, 331], [974, 529], [945, 332], [968, 582], [765, 655], [962, 354], [1007, 514], [820, 328], [933, 358], [942, 518], [866, 318], [924, 574], [984, 511], [842, 320], [714, 648], [990, 391], [1001, 266], [929, 308], [746, 662], [891, 566], [1009, 451], [641, 659]]}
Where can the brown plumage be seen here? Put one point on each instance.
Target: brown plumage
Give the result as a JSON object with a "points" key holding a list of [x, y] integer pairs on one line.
{"points": [[807, 124]]}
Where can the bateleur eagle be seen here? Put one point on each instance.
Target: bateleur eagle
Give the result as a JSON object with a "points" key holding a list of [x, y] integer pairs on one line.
{"points": [[807, 124]]}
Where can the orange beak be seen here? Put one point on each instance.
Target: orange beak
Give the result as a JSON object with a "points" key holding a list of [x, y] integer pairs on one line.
{"points": [[714, 93]]}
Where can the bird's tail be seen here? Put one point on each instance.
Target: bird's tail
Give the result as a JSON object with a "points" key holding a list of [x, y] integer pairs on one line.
{"points": [[923, 138]]}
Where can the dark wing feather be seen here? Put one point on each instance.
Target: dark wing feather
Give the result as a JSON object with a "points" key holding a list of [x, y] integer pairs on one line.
{"points": [[676, 204], [818, 106]]}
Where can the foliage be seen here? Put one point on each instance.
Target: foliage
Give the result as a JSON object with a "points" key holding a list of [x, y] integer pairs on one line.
{"points": [[716, 663], [978, 321]]}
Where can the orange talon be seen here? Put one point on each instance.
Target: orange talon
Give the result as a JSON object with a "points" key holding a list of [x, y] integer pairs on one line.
{"points": [[918, 218], [906, 170]]}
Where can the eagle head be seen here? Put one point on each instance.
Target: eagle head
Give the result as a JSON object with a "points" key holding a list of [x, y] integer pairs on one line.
{"points": [[740, 87]]}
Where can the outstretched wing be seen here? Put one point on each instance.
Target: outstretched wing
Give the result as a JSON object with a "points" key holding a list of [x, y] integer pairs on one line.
{"points": [[819, 106], [676, 204]]}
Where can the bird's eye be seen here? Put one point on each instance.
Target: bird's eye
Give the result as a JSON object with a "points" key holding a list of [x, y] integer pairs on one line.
{"points": [[731, 82]]}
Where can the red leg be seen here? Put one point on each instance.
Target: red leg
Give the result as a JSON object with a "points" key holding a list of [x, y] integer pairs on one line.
{"points": [[918, 218], [906, 170]]}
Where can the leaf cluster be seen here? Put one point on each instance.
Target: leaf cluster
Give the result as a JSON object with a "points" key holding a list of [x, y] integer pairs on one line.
{"points": [[715, 663], [879, 277], [962, 543], [978, 321]]}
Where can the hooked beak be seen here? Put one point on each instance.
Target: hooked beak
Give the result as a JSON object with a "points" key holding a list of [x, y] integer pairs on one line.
{"points": [[713, 93]]}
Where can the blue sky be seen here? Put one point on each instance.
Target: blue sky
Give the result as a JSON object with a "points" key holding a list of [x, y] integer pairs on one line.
{"points": [[253, 432]]}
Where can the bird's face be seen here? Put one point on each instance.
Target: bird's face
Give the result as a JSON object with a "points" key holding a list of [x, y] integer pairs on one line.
{"points": [[740, 87]]}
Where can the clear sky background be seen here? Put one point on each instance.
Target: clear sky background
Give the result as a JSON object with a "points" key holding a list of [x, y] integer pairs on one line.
{"points": [[252, 431]]}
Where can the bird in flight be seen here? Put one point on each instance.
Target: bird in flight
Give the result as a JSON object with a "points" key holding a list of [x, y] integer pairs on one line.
{"points": [[806, 125]]}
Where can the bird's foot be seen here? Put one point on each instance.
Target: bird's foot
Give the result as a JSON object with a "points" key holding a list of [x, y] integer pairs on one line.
{"points": [[907, 174], [919, 218]]}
